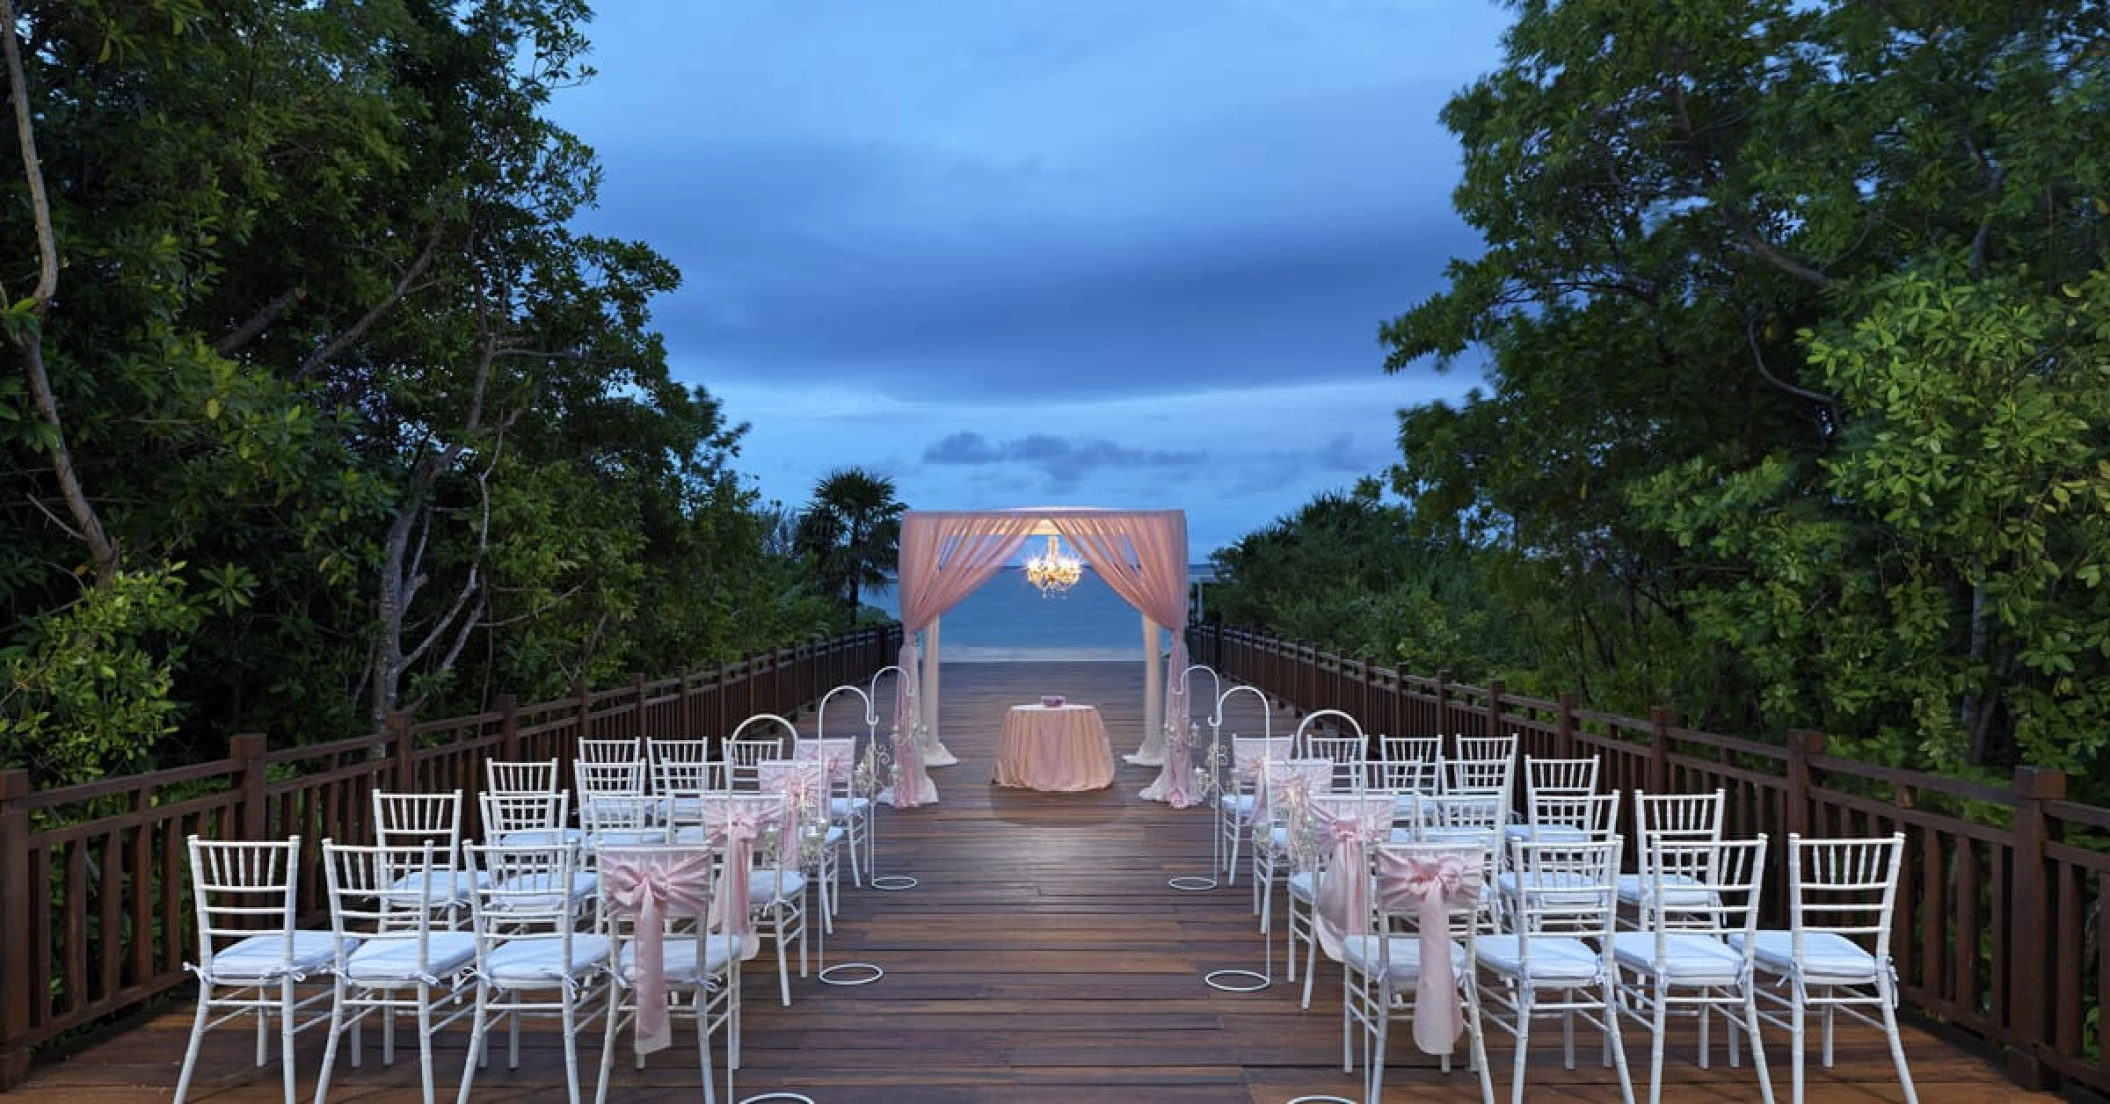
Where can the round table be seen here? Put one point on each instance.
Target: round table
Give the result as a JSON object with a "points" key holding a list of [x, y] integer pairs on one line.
{"points": [[1062, 748]]}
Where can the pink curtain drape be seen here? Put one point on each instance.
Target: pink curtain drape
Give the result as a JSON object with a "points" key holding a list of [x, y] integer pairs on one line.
{"points": [[1142, 555], [944, 558]]}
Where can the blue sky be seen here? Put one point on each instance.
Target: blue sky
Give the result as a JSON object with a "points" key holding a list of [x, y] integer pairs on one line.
{"points": [[1043, 252]]}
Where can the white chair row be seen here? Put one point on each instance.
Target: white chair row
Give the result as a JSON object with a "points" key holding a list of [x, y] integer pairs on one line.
{"points": [[1542, 941], [391, 950]]}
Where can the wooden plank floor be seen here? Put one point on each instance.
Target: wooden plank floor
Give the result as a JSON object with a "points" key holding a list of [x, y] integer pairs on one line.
{"points": [[1042, 958]]}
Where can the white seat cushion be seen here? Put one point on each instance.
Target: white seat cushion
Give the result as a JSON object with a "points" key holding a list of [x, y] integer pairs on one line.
{"points": [[625, 837], [834, 835], [537, 961], [842, 808], [1827, 956], [1546, 833], [263, 957], [540, 837], [762, 886], [688, 959], [1689, 959], [1360, 952], [383, 959], [1553, 958], [1302, 885], [1680, 891], [1239, 804]]}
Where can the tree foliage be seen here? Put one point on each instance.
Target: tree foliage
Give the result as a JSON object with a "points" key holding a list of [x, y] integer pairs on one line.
{"points": [[852, 531], [367, 424], [1791, 318]]}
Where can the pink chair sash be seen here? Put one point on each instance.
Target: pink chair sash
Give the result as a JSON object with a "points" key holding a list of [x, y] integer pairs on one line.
{"points": [[804, 781], [733, 825], [652, 888], [837, 754], [1349, 825], [1433, 886]]}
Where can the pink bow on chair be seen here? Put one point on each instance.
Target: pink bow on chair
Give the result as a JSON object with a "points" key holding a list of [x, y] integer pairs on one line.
{"points": [[1342, 905], [1435, 886], [651, 891]]}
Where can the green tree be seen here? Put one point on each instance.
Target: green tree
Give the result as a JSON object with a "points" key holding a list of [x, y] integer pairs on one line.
{"points": [[852, 530]]}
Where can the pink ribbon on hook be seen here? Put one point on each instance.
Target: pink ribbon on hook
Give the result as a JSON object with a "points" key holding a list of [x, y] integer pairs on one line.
{"points": [[652, 889], [1434, 886]]}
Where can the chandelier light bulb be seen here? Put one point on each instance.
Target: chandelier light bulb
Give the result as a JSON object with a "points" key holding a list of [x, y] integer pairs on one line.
{"points": [[1053, 572]]}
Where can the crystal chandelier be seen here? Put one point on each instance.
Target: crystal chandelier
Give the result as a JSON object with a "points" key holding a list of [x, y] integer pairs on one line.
{"points": [[1052, 571]]}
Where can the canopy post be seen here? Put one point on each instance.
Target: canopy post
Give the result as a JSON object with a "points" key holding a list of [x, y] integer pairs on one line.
{"points": [[934, 751], [1151, 752]]}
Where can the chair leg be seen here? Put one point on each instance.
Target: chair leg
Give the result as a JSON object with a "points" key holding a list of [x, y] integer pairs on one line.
{"points": [[479, 1043], [1828, 1010], [571, 1048], [1523, 1055], [615, 1020], [1568, 1037], [1655, 1057], [1706, 1044], [1797, 1014], [1758, 1046], [1477, 1053], [703, 1045], [197, 1041], [1374, 1061], [1347, 1018], [425, 1037], [1615, 1041], [1897, 1044], [263, 1033], [783, 960], [329, 1052], [286, 1028], [1311, 965]]}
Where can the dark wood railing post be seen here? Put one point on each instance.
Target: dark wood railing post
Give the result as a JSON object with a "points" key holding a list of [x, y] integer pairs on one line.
{"points": [[1803, 744], [637, 704], [2029, 959], [16, 971], [508, 708], [1443, 706], [1659, 720], [1495, 689], [403, 769], [247, 749], [1564, 726]]}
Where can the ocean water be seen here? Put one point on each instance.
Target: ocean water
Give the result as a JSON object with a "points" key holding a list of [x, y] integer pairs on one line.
{"points": [[1008, 620]]}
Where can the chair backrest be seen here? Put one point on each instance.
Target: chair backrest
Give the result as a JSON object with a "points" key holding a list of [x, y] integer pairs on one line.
{"points": [[1370, 813], [693, 868], [524, 819], [1487, 748], [676, 751], [840, 755], [1593, 815], [1559, 777], [1844, 886], [679, 779], [610, 751], [1413, 763], [1569, 887], [608, 778], [743, 756], [802, 782], [1703, 887], [384, 890], [241, 889], [622, 812], [514, 777], [1248, 752], [1346, 753], [1488, 777], [1697, 816], [404, 819], [774, 847], [527, 891], [1470, 912], [1283, 777]]}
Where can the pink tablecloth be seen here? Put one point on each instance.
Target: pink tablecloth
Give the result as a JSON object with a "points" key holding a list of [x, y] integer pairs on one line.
{"points": [[1061, 748]]}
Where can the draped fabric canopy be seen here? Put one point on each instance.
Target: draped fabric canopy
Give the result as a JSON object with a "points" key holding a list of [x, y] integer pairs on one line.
{"points": [[947, 555]]}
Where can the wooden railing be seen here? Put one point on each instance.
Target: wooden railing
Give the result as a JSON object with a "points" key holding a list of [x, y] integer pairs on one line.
{"points": [[2001, 910], [95, 913]]}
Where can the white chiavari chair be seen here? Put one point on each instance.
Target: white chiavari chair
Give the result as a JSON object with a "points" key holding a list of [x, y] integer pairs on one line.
{"points": [[682, 882], [531, 959], [1241, 792], [520, 776], [1383, 967]]}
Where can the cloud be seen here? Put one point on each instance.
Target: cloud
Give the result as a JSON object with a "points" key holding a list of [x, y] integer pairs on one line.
{"points": [[1064, 461]]}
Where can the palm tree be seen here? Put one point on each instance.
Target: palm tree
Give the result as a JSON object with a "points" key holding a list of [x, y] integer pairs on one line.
{"points": [[852, 528]]}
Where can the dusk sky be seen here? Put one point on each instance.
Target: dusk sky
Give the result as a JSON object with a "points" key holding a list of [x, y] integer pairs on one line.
{"points": [[1043, 252]]}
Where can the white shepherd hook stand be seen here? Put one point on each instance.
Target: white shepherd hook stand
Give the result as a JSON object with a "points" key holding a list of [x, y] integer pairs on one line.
{"points": [[1223, 979], [1211, 786]]}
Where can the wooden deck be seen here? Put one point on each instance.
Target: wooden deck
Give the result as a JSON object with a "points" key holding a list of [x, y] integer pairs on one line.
{"points": [[1042, 958]]}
